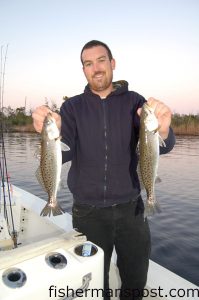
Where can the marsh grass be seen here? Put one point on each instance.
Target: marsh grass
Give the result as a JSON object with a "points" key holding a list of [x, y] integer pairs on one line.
{"points": [[185, 124]]}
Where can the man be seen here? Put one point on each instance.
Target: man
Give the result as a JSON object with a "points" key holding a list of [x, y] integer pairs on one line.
{"points": [[101, 127]]}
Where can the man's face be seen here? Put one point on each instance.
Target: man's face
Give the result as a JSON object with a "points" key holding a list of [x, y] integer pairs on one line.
{"points": [[98, 68]]}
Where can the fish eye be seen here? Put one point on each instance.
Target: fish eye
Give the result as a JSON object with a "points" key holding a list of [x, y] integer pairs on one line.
{"points": [[48, 122]]}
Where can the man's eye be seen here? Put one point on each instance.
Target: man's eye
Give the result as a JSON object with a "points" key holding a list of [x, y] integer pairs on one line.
{"points": [[87, 64]]}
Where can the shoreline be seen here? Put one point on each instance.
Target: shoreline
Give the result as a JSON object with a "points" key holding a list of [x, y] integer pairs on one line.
{"points": [[180, 130]]}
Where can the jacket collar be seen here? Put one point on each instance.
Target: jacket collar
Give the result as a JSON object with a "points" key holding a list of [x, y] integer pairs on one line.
{"points": [[120, 87]]}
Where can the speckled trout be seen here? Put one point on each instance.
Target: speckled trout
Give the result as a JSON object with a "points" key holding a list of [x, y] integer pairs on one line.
{"points": [[49, 171], [149, 142]]}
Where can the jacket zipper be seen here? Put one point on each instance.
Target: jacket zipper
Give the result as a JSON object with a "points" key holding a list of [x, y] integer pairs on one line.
{"points": [[106, 151]]}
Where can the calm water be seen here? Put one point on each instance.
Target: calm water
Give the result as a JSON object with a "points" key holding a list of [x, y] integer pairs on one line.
{"points": [[175, 232]]}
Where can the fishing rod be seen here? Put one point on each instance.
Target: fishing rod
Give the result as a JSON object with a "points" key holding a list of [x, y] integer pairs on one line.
{"points": [[3, 162]]}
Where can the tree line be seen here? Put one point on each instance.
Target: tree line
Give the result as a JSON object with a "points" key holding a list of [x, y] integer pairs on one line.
{"points": [[11, 118], [181, 123]]}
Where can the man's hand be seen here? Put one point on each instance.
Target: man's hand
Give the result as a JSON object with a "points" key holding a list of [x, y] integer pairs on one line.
{"points": [[39, 115], [163, 114]]}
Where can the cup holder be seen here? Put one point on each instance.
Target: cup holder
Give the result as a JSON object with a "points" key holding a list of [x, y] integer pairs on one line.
{"points": [[56, 260], [14, 278], [86, 250]]}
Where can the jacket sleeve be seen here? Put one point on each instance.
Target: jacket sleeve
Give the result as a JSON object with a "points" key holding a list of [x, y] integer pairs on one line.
{"points": [[169, 142], [68, 130]]}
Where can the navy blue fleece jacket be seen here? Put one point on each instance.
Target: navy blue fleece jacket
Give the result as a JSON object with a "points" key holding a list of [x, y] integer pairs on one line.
{"points": [[103, 136]]}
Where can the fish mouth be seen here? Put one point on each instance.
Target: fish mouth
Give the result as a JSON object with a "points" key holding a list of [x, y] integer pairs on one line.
{"points": [[49, 115], [150, 119], [149, 107], [49, 119]]}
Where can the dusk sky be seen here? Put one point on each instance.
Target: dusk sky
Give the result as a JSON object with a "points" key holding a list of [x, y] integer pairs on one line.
{"points": [[155, 44]]}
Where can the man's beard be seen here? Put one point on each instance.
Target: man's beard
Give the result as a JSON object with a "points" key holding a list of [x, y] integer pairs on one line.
{"points": [[100, 84]]}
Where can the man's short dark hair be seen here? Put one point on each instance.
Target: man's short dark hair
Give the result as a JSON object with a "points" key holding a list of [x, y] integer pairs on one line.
{"points": [[95, 43]]}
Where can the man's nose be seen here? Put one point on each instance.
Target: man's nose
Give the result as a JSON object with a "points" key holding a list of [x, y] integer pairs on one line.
{"points": [[96, 67]]}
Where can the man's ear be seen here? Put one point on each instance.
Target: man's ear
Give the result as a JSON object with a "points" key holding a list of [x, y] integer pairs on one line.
{"points": [[113, 63]]}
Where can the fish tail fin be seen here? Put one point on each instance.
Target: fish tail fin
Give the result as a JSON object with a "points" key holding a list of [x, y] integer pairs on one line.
{"points": [[57, 210], [152, 206], [49, 208], [46, 211]]}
